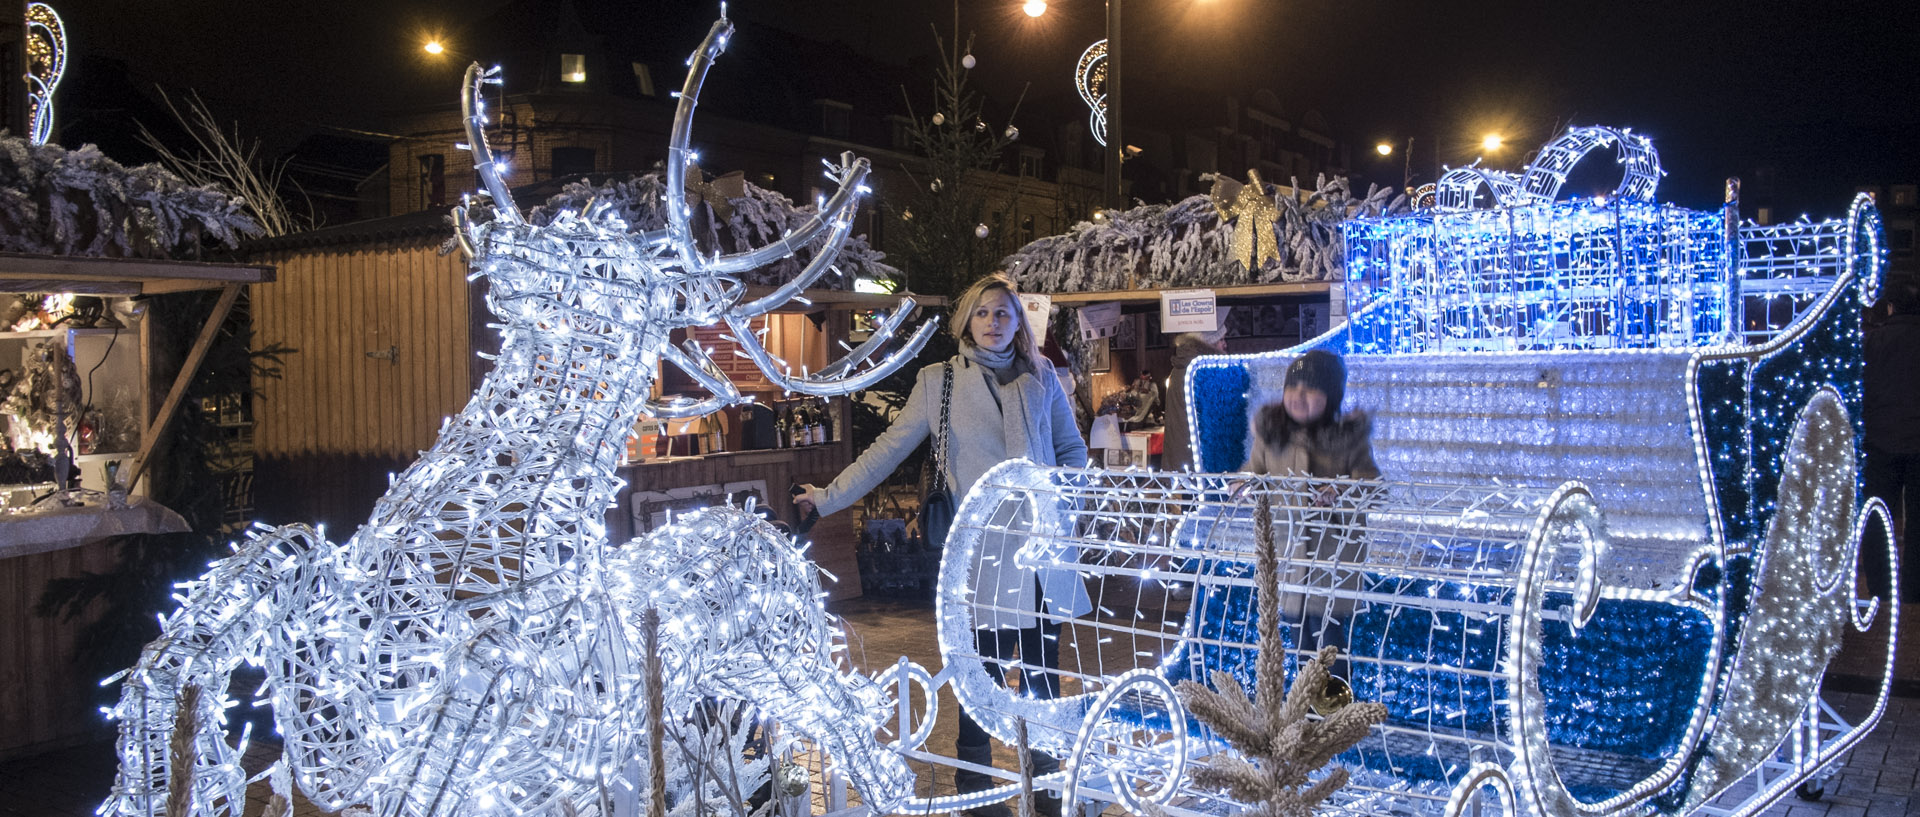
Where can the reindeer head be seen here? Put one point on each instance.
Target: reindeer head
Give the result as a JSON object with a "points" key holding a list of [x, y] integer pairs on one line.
{"points": [[587, 276]]}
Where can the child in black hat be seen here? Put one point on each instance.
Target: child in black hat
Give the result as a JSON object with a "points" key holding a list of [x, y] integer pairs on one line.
{"points": [[1305, 434]]}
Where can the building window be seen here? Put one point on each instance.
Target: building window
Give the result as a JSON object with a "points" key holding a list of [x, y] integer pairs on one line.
{"points": [[1900, 241], [901, 129], [643, 77], [836, 117], [1026, 231], [433, 180], [1903, 195], [1030, 165], [572, 162], [573, 67]]}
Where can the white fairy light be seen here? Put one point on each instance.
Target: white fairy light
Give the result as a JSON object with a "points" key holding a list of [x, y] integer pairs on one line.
{"points": [[1534, 653], [474, 648]]}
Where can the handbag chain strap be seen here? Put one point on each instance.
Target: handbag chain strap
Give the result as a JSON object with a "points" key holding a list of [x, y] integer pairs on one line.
{"points": [[939, 481]]}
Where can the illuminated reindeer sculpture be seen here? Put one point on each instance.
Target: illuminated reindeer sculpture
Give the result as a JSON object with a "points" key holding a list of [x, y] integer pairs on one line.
{"points": [[475, 647]]}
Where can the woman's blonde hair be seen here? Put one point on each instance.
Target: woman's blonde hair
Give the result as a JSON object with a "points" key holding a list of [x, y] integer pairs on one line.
{"points": [[1025, 346]]}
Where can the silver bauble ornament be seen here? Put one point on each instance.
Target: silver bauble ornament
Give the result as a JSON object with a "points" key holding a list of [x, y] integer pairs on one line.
{"points": [[967, 62], [980, 126], [980, 231], [939, 119], [1012, 133], [936, 185]]}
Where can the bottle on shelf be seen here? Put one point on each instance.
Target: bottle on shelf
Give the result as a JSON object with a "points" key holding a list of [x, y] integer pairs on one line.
{"points": [[826, 424], [782, 426]]}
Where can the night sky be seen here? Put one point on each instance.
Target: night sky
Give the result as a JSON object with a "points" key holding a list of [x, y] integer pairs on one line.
{"points": [[1825, 94]]}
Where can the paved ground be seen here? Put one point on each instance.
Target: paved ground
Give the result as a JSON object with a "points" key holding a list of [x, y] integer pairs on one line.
{"points": [[1878, 780]]}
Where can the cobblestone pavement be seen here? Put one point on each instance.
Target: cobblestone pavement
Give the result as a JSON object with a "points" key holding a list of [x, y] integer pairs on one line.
{"points": [[1877, 780]]}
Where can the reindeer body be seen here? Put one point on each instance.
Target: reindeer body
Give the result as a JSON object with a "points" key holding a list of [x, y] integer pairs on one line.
{"points": [[474, 647]]}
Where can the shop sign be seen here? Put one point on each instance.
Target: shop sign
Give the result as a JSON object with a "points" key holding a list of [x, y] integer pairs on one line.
{"points": [[1187, 310]]}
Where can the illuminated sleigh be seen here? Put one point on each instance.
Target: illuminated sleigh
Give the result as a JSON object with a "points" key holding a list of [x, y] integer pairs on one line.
{"points": [[1613, 558]]}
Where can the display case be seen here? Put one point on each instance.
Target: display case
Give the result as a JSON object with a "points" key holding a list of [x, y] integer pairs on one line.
{"points": [[98, 435]]}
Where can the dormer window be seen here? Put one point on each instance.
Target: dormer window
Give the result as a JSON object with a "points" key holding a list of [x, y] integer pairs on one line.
{"points": [[643, 77], [573, 67]]}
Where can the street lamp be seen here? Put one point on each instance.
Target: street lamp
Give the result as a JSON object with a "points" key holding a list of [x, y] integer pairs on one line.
{"points": [[434, 47], [1491, 142], [1035, 8], [1384, 148]]}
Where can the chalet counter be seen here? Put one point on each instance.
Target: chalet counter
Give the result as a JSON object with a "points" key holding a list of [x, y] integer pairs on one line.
{"points": [[657, 486]]}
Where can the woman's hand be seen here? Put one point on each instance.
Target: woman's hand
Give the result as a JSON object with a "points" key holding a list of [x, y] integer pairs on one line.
{"points": [[806, 499]]}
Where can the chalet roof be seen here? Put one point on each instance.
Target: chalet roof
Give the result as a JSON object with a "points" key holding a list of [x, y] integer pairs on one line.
{"points": [[426, 224]]}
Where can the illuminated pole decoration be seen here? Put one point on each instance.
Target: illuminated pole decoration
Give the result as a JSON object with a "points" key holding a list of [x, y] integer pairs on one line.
{"points": [[476, 646], [46, 62], [1090, 78]]}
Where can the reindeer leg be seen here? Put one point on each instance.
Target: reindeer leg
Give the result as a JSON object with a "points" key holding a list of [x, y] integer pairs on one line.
{"points": [[839, 712], [217, 627]]}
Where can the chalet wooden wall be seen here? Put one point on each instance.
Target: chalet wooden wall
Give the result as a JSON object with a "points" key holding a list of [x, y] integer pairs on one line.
{"points": [[44, 691], [339, 420]]}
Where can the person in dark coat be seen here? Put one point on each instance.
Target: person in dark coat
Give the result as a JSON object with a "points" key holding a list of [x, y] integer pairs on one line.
{"points": [[1892, 434], [1176, 447], [1306, 435]]}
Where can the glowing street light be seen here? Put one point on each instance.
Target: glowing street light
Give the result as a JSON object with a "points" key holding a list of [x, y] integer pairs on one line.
{"points": [[1035, 8], [1384, 148], [1491, 141]]}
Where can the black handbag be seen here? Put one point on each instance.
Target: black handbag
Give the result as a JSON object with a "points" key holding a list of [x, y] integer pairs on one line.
{"points": [[937, 508]]}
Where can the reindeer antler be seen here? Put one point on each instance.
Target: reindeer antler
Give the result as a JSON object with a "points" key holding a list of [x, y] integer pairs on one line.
{"points": [[473, 114], [680, 157], [829, 380], [834, 219]]}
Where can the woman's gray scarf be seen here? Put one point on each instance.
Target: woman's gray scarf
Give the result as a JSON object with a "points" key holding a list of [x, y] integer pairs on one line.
{"points": [[1017, 404]]}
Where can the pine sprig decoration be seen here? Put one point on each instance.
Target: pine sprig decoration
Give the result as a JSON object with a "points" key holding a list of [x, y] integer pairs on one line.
{"points": [[1282, 746]]}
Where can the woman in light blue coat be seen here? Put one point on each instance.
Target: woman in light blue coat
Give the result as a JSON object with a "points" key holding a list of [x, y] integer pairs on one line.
{"points": [[1006, 403]]}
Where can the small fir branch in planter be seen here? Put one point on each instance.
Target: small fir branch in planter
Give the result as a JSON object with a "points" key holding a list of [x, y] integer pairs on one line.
{"points": [[1281, 747]]}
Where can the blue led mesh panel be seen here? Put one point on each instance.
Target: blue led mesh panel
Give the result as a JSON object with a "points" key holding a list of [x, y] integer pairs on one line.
{"points": [[1563, 275]]}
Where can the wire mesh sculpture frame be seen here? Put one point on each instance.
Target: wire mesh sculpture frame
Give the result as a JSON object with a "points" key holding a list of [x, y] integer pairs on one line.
{"points": [[474, 647]]}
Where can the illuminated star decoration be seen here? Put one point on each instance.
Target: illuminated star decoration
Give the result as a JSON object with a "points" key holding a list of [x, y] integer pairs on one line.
{"points": [[46, 62], [476, 647]]}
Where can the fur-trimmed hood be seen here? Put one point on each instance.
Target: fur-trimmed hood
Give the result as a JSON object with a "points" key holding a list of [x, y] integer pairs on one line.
{"points": [[1342, 448]]}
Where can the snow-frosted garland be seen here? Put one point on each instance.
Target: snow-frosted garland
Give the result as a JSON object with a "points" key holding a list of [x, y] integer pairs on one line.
{"points": [[79, 202], [758, 218], [1185, 244]]}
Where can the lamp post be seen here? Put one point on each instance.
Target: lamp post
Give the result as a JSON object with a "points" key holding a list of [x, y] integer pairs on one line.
{"points": [[1116, 144]]}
